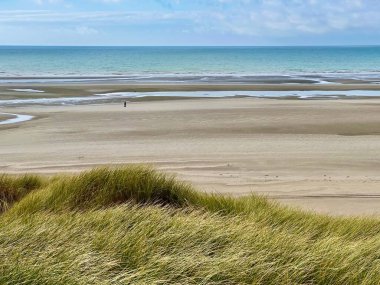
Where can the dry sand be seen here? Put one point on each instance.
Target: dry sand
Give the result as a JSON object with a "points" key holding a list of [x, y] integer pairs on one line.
{"points": [[322, 155]]}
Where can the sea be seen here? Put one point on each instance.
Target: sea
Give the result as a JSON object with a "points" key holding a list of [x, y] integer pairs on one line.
{"points": [[25, 71], [308, 64]]}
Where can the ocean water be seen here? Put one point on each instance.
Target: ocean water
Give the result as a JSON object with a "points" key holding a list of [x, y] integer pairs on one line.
{"points": [[191, 64]]}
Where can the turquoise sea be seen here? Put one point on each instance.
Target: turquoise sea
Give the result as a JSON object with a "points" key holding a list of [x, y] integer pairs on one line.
{"points": [[183, 64]]}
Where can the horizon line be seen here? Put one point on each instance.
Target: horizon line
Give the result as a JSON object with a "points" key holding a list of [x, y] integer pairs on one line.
{"points": [[326, 45]]}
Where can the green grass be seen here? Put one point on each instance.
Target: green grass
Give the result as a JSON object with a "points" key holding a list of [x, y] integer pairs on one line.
{"points": [[133, 225]]}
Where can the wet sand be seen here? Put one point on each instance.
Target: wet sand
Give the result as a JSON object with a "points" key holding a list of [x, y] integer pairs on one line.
{"points": [[86, 89], [319, 155], [4, 117]]}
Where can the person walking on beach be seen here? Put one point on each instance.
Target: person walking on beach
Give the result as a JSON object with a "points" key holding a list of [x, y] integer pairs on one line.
{"points": [[125, 104]]}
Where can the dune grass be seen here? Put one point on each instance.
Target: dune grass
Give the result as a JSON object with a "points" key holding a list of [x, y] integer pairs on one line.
{"points": [[133, 225]]}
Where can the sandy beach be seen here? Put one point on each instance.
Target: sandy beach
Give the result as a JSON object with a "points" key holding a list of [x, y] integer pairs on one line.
{"points": [[320, 155], [189, 142]]}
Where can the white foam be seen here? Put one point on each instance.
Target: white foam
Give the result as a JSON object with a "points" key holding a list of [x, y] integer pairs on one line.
{"points": [[194, 94], [28, 90], [189, 76], [17, 118], [221, 94], [49, 101]]}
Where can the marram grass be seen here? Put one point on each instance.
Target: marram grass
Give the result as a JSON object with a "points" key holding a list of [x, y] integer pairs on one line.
{"points": [[133, 225]]}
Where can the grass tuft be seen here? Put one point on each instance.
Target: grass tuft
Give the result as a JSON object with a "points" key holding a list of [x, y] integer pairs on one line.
{"points": [[13, 189], [105, 187], [133, 225]]}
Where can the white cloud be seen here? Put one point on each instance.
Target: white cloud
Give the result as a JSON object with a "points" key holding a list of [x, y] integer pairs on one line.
{"points": [[111, 1], [42, 16], [276, 17], [84, 30], [41, 2], [240, 17]]}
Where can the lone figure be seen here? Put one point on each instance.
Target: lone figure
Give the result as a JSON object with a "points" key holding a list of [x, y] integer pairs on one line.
{"points": [[125, 104]]}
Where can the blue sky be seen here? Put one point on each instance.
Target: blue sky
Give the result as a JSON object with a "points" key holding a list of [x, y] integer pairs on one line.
{"points": [[189, 22]]}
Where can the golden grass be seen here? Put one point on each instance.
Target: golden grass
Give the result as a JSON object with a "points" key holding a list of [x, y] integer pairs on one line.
{"points": [[133, 225]]}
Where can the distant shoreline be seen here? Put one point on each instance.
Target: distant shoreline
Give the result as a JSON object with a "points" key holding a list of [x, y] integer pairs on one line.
{"points": [[157, 87], [201, 79], [89, 93]]}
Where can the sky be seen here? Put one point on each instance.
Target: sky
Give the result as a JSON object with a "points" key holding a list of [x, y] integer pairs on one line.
{"points": [[189, 22]]}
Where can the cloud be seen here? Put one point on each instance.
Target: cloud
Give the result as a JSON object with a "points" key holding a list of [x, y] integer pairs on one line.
{"points": [[46, 16], [41, 2], [287, 17], [273, 18], [111, 1], [84, 30]]}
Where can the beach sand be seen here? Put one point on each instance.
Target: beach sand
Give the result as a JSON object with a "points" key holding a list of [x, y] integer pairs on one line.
{"points": [[321, 155]]}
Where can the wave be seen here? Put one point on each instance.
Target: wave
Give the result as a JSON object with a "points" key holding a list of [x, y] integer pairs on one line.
{"points": [[111, 97], [262, 78]]}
